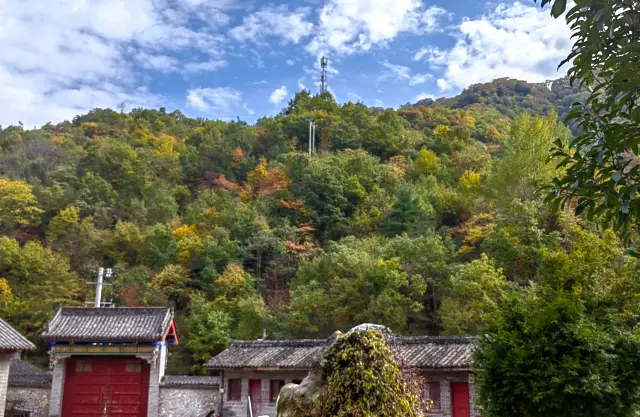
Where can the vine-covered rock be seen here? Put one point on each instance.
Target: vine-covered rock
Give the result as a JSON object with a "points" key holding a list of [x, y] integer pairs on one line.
{"points": [[357, 377]]}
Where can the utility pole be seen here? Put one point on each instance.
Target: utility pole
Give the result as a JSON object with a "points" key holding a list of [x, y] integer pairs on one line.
{"points": [[313, 147], [310, 129], [99, 283], [98, 301]]}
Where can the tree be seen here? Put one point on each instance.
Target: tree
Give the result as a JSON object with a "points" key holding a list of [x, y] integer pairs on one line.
{"points": [[563, 346], [475, 293], [209, 329], [524, 169], [173, 282], [602, 162], [18, 205]]}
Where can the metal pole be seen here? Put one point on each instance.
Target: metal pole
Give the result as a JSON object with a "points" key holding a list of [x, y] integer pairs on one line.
{"points": [[313, 144], [309, 137], [98, 301]]}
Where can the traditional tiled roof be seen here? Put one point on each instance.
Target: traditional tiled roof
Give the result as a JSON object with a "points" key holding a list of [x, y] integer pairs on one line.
{"points": [[434, 352], [11, 340], [23, 374], [117, 324], [286, 354], [182, 381], [423, 352]]}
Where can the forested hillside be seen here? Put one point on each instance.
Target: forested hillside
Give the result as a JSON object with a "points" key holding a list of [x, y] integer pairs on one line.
{"points": [[419, 219]]}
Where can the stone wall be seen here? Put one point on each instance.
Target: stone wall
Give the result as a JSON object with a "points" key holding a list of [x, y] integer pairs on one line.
{"points": [[267, 408], [35, 399], [191, 401]]}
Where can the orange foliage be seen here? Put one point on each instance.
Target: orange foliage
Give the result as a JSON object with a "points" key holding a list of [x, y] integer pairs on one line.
{"points": [[297, 206], [238, 155], [302, 251]]}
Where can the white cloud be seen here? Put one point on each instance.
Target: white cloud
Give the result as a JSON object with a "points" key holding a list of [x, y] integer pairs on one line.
{"points": [[290, 27], [301, 85], [443, 84], [350, 26], [63, 57], [423, 96], [205, 66], [220, 102], [291, 62], [402, 73], [278, 95], [514, 40], [353, 96], [379, 103]]}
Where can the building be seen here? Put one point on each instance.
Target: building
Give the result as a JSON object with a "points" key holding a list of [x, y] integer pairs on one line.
{"points": [[108, 361], [11, 343], [255, 371]]}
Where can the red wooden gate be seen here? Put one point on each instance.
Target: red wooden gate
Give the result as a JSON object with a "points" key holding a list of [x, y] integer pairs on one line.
{"points": [[105, 387], [460, 399]]}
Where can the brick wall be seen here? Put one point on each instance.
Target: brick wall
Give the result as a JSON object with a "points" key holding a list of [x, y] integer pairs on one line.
{"points": [[5, 360], [188, 401], [267, 408]]}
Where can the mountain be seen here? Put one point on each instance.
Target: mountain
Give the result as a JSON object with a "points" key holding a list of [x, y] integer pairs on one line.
{"points": [[511, 97]]}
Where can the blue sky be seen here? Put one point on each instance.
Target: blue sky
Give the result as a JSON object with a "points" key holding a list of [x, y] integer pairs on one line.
{"points": [[246, 58]]}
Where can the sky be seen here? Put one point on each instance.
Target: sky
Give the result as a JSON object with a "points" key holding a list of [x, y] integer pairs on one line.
{"points": [[222, 59]]}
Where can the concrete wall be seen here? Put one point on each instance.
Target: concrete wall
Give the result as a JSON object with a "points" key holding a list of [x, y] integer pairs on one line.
{"points": [[35, 399], [267, 408], [5, 360], [188, 401]]}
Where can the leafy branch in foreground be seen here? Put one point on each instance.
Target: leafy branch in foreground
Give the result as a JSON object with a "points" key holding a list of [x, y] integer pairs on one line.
{"points": [[602, 163]]}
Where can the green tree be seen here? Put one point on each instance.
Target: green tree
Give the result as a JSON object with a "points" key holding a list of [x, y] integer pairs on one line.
{"points": [[209, 329], [476, 292], [523, 169], [602, 162], [562, 347]]}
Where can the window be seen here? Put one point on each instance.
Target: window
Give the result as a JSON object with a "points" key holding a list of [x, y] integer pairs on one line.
{"points": [[274, 389], [234, 389], [432, 395]]}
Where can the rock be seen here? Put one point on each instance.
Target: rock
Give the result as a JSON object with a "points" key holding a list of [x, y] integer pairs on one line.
{"points": [[296, 400]]}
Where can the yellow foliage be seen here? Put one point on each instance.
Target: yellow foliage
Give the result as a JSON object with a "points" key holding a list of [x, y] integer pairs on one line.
{"points": [[469, 121], [5, 291], [492, 134], [469, 181], [184, 231], [441, 130], [90, 128], [427, 163]]}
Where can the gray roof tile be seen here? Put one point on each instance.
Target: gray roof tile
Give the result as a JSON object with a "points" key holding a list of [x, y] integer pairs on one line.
{"points": [[11, 340], [117, 324], [24, 374], [424, 352], [185, 381], [289, 354]]}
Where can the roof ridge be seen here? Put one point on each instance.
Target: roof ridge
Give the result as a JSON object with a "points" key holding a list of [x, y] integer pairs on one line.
{"points": [[278, 342]]}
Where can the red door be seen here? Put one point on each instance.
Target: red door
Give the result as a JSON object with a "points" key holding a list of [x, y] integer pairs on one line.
{"points": [[255, 392], [105, 387], [460, 399]]}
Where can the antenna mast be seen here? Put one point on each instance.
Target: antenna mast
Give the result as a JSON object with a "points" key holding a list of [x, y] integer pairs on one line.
{"points": [[324, 63]]}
